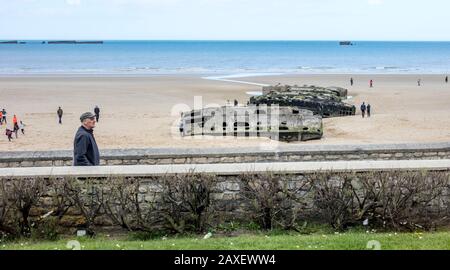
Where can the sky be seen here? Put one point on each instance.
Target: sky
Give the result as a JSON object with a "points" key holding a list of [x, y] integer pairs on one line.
{"points": [[415, 20]]}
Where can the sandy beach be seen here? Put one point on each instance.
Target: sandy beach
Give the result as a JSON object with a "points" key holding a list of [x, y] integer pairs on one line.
{"points": [[142, 111]]}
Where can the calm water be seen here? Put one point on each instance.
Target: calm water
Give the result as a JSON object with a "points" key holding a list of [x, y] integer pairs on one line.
{"points": [[227, 57]]}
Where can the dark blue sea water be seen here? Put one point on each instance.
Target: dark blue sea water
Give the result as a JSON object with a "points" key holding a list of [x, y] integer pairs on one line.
{"points": [[224, 57]]}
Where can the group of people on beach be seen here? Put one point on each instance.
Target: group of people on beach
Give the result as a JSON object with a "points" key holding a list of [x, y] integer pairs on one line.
{"points": [[60, 113], [365, 109], [370, 82], [17, 125], [419, 82]]}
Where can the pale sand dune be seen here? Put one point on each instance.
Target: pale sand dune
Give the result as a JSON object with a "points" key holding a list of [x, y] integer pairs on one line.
{"points": [[136, 111]]}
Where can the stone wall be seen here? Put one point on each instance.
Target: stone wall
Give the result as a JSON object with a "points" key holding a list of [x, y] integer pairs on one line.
{"points": [[284, 153], [226, 193]]}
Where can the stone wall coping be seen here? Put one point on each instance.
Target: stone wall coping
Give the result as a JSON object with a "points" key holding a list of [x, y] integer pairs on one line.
{"points": [[225, 168], [109, 154]]}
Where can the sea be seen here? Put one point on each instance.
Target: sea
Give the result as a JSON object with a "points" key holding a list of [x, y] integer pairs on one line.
{"points": [[224, 58]]}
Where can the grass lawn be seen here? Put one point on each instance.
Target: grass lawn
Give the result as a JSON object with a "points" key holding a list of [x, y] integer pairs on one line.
{"points": [[289, 241]]}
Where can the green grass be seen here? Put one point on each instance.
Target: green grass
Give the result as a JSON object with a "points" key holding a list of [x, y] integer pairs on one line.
{"points": [[258, 241]]}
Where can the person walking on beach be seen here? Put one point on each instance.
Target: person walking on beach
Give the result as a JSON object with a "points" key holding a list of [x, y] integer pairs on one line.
{"points": [[368, 109], [371, 83], [4, 116], [236, 102], [22, 127], [85, 149], [181, 128], [351, 81], [1, 118], [418, 82], [8, 134], [363, 109], [97, 112], [446, 79], [15, 126], [16, 130], [59, 112]]}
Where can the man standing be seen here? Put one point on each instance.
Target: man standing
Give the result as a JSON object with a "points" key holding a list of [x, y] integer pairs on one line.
{"points": [[60, 114], [85, 152], [363, 109], [371, 83], [351, 81], [446, 79], [368, 109], [97, 112]]}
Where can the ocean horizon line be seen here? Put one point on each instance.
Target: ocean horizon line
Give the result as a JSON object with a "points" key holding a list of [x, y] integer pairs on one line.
{"points": [[224, 57], [203, 75]]}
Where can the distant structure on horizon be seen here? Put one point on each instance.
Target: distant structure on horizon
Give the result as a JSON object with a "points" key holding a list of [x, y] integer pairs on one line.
{"points": [[9, 42], [55, 42], [345, 43], [74, 42]]}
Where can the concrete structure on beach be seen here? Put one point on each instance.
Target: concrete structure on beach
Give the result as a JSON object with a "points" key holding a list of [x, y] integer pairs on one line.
{"points": [[324, 101], [277, 123]]}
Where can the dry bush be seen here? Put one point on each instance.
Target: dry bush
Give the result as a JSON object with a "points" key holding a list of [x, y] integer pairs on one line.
{"points": [[25, 194], [408, 200], [88, 196], [59, 190], [334, 197], [271, 200], [395, 200], [124, 208], [6, 228], [185, 202]]}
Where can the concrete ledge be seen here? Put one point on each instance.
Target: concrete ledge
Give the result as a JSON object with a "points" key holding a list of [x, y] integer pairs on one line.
{"points": [[226, 169], [284, 153], [173, 152]]}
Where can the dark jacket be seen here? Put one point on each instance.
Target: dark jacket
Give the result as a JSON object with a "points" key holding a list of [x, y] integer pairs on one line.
{"points": [[85, 150]]}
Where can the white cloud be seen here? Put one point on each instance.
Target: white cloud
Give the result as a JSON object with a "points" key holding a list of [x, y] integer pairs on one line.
{"points": [[73, 2]]}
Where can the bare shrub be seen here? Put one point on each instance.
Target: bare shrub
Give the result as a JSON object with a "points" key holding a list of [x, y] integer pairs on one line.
{"points": [[396, 200], [124, 208], [60, 190], [271, 200], [25, 194], [408, 200], [6, 230], [186, 204], [334, 197], [88, 196]]}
